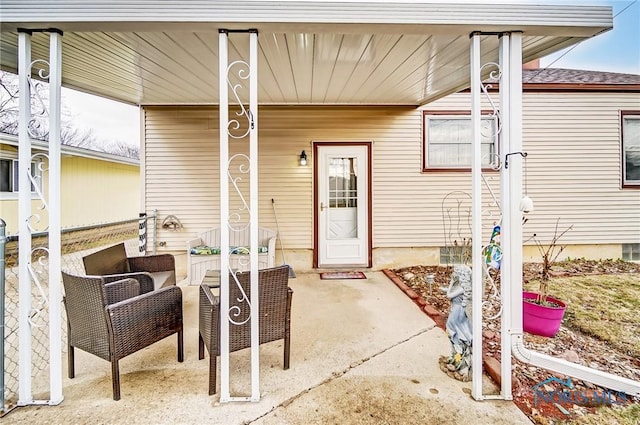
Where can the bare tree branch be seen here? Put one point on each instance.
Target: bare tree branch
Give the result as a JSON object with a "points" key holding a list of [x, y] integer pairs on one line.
{"points": [[70, 134]]}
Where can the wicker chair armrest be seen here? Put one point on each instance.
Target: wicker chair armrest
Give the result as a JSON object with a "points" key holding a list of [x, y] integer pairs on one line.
{"points": [[208, 316], [271, 243], [194, 242], [140, 321], [152, 263], [145, 280], [121, 290], [207, 295]]}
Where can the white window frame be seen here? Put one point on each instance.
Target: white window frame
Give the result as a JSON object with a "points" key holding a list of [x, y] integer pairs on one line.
{"points": [[428, 116], [624, 151], [13, 193]]}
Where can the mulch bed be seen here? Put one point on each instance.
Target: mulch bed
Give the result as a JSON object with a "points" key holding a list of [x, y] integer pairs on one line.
{"points": [[568, 344]]}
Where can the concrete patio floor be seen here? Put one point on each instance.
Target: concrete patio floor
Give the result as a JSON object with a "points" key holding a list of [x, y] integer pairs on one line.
{"points": [[361, 353]]}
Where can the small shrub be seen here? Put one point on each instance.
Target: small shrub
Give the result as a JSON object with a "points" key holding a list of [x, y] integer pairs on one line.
{"points": [[549, 254]]}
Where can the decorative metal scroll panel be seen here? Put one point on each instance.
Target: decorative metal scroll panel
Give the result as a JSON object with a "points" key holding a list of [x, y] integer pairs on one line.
{"points": [[492, 251], [238, 169], [37, 127], [456, 215]]}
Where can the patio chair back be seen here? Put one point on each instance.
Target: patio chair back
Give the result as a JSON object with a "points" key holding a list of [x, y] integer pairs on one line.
{"points": [[273, 308], [152, 271], [111, 260], [274, 315]]}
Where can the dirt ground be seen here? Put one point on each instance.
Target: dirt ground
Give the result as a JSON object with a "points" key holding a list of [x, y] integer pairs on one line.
{"points": [[568, 343]]}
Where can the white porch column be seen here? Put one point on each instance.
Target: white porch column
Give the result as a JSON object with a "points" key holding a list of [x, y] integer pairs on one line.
{"points": [[511, 193], [505, 267], [513, 175], [24, 212], [55, 252], [476, 224], [227, 180], [52, 205], [224, 215], [253, 214]]}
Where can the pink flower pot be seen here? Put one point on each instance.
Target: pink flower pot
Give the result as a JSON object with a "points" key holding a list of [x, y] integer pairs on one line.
{"points": [[541, 319]]}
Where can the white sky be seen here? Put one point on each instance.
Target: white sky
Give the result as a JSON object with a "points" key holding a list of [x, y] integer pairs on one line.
{"points": [[615, 51], [110, 121]]}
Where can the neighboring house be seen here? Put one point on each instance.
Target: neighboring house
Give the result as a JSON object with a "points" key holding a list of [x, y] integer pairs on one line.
{"points": [[96, 187], [580, 130]]}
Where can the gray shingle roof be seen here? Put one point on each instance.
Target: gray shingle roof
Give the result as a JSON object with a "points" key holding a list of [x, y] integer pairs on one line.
{"points": [[576, 76]]}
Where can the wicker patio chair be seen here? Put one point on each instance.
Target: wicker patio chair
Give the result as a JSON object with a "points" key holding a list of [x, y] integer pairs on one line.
{"points": [[113, 319], [274, 313], [152, 271]]}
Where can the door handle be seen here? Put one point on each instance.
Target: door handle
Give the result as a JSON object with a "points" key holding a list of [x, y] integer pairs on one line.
{"points": [[322, 207]]}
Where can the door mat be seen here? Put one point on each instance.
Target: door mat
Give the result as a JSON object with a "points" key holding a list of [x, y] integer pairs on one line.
{"points": [[342, 275]]}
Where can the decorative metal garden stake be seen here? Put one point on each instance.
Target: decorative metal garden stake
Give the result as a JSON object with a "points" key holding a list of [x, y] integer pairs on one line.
{"points": [[430, 279]]}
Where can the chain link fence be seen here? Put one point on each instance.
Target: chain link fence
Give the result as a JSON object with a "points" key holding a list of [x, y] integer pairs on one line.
{"points": [[76, 243]]}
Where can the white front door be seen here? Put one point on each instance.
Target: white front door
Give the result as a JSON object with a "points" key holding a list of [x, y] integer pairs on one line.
{"points": [[343, 205]]}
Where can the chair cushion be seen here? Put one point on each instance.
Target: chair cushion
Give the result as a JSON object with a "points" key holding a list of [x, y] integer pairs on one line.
{"points": [[233, 250], [162, 279], [112, 260], [204, 250]]}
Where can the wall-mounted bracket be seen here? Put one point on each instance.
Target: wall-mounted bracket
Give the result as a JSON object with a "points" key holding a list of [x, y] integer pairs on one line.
{"points": [[506, 157]]}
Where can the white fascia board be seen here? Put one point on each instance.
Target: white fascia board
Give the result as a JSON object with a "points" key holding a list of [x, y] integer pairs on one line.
{"points": [[308, 16], [103, 156], [11, 140]]}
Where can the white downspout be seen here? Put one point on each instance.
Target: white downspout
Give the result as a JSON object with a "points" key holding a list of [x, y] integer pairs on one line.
{"points": [[514, 233], [554, 364]]}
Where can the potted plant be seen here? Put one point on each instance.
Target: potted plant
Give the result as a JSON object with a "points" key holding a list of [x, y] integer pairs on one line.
{"points": [[542, 313]]}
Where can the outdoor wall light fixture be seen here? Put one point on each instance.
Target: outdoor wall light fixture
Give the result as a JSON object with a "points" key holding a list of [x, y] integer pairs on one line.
{"points": [[303, 158]]}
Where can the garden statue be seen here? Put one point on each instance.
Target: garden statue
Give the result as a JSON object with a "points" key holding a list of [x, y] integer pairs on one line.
{"points": [[459, 324]]}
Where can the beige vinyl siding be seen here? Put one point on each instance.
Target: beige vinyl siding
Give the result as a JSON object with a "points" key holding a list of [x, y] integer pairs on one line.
{"points": [[181, 169], [172, 144], [573, 169], [406, 202], [575, 166]]}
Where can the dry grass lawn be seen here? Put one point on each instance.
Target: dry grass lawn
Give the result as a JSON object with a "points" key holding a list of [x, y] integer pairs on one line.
{"points": [[604, 306], [629, 415]]}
